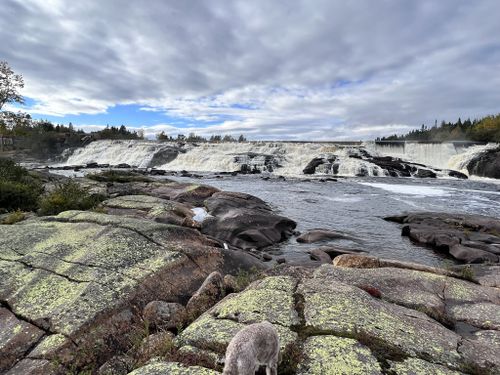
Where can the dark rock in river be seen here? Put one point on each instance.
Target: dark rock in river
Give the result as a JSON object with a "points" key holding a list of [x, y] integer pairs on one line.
{"points": [[244, 221], [467, 238], [486, 164], [317, 235]]}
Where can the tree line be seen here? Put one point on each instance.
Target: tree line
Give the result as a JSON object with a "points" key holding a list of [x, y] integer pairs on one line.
{"points": [[194, 138], [486, 129]]}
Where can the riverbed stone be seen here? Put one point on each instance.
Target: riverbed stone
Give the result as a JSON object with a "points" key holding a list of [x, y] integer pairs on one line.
{"points": [[319, 235], [467, 238], [331, 355]]}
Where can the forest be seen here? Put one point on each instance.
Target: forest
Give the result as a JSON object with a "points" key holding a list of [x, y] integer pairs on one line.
{"points": [[486, 129]]}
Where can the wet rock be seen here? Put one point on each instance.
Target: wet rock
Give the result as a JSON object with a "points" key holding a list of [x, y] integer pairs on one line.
{"points": [[457, 174], [245, 221], [425, 173], [209, 293], [267, 257], [164, 314], [449, 233], [280, 260], [317, 235], [337, 355], [334, 251], [320, 255], [486, 164]]}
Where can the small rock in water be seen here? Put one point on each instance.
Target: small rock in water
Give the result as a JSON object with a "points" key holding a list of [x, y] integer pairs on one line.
{"points": [[267, 257], [316, 235], [280, 260]]}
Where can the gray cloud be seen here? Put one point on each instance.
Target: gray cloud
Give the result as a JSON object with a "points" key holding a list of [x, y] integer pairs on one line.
{"points": [[308, 69]]}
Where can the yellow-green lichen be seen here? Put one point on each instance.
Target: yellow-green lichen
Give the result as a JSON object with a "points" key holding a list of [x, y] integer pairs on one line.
{"points": [[172, 368], [330, 355], [415, 366]]}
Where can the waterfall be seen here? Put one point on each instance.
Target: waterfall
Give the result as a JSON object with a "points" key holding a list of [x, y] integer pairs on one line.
{"points": [[436, 155], [283, 158], [113, 152]]}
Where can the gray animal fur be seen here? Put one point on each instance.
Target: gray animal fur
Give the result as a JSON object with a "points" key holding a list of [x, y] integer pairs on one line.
{"points": [[255, 345]]}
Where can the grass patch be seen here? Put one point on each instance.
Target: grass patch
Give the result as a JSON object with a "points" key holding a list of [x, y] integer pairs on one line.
{"points": [[118, 176], [66, 196], [14, 217]]}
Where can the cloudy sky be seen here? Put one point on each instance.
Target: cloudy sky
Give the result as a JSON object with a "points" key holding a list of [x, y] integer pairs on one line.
{"points": [[283, 69]]}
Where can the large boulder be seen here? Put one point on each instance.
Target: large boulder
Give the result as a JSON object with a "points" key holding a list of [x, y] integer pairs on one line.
{"points": [[486, 164], [244, 221]]}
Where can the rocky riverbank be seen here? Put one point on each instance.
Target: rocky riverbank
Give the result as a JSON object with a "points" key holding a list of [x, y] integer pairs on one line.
{"points": [[160, 276]]}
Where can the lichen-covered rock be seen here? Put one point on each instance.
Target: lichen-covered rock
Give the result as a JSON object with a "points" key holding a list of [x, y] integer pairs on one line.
{"points": [[415, 366], [164, 314], [331, 307], [330, 355], [172, 368], [270, 299], [446, 299], [153, 208], [78, 273]]}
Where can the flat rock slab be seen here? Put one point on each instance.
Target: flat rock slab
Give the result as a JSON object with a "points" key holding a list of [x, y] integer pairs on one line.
{"points": [[78, 274], [153, 208], [415, 366]]}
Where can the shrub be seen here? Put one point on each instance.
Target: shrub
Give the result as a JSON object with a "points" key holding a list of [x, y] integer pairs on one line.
{"points": [[66, 196], [18, 190]]}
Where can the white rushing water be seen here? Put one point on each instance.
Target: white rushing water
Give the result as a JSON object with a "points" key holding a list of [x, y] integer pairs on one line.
{"points": [[287, 159]]}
